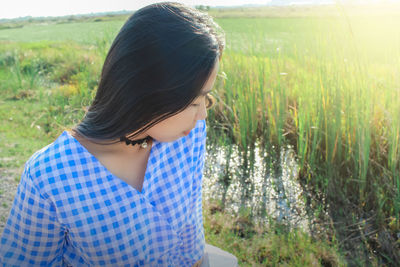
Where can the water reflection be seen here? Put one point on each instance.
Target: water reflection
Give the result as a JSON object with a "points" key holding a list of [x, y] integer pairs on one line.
{"points": [[274, 190]]}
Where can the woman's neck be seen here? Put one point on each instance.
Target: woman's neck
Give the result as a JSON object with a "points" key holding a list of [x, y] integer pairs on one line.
{"points": [[115, 147]]}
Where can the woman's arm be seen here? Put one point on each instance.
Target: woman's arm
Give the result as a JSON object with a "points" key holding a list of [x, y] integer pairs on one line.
{"points": [[198, 263], [193, 233], [32, 236]]}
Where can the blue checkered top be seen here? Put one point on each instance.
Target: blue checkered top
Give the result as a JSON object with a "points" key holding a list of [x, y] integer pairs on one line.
{"points": [[69, 210]]}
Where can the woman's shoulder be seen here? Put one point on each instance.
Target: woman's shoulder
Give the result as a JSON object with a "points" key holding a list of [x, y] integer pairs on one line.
{"points": [[197, 139], [201, 126], [200, 131], [54, 156], [192, 141]]}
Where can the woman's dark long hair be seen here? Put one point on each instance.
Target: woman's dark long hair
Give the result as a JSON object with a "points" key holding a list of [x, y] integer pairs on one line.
{"points": [[156, 66]]}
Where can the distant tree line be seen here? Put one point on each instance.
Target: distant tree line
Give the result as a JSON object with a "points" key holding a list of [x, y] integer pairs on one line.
{"points": [[203, 8]]}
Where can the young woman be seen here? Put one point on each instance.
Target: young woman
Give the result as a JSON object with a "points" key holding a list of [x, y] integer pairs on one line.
{"points": [[124, 186]]}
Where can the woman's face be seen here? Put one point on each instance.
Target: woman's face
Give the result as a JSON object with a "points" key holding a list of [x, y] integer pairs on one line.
{"points": [[182, 123]]}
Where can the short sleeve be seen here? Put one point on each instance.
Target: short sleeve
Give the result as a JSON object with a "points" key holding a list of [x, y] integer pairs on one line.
{"points": [[32, 236]]}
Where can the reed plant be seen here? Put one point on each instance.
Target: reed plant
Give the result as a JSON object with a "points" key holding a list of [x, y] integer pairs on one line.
{"points": [[331, 105]]}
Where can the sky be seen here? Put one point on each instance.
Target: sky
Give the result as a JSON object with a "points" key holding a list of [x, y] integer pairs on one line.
{"points": [[54, 8], [37, 8]]}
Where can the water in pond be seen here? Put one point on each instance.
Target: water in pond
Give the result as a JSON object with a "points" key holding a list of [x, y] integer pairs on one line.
{"points": [[273, 195]]}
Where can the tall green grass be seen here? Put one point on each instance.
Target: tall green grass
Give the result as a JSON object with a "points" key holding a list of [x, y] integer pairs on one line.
{"points": [[335, 97]]}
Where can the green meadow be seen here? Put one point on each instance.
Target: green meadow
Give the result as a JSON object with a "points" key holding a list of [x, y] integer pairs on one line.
{"points": [[325, 81]]}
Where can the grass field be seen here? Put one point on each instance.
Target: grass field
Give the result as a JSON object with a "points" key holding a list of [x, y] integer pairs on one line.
{"points": [[82, 32], [327, 85]]}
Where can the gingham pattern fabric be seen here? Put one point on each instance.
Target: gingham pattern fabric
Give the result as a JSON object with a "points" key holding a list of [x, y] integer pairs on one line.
{"points": [[69, 210]]}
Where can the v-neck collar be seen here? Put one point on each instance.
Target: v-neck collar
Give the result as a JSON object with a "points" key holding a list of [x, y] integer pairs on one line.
{"points": [[155, 145]]}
